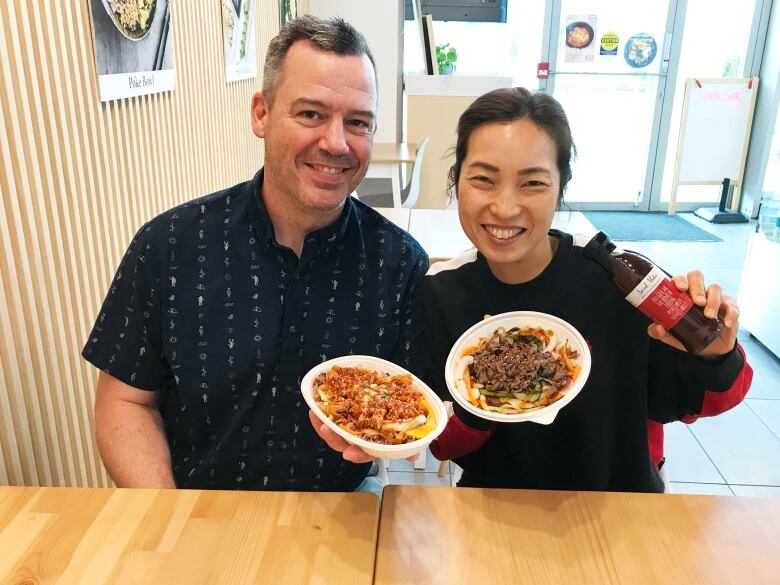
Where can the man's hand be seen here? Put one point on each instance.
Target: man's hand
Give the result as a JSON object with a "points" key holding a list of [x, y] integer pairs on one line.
{"points": [[349, 452], [714, 302]]}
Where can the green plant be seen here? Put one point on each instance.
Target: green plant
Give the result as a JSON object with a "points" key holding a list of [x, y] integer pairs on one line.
{"points": [[446, 57]]}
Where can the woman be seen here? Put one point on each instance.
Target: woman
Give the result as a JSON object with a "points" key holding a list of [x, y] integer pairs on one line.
{"points": [[512, 164]]}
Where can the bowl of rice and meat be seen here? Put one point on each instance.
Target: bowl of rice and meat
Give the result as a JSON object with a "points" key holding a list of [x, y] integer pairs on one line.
{"points": [[518, 366], [375, 404]]}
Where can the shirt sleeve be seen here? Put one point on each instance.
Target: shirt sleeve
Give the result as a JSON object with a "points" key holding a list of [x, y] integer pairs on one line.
{"points": [[125, 341], [464, 432], [409, 351], [437, 341], [684, 386]]}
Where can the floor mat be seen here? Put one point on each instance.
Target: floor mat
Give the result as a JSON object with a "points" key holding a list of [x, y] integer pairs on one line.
{"points": [[635, 226]]}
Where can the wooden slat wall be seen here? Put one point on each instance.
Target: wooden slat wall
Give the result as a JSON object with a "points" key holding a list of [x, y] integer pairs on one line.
{"points": [[77, 179]]}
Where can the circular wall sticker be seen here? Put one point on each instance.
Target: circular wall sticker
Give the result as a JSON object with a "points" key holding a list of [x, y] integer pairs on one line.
{"points": [[640, 50], [609, 43]]}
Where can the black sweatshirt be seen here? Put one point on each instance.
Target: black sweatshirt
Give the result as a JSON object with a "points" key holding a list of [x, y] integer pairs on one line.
{"points": [[599, 441]]}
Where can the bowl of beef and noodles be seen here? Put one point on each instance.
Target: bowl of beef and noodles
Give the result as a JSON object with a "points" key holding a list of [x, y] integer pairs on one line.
{"points": [[518, 366], [375, 404]]}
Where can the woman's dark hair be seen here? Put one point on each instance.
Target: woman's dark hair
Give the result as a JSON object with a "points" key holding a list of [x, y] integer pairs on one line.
{"points": [[508, 105]]}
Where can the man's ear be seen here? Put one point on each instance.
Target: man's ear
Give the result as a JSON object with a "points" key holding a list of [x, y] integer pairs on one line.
{"points": [[259, 111]]}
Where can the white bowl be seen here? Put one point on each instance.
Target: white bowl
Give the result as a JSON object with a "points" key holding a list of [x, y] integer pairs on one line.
{"points": [[377, 365], [484, 329]]}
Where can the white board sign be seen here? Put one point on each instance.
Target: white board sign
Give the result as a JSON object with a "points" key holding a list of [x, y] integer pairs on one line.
{"points": [[715, 129]]}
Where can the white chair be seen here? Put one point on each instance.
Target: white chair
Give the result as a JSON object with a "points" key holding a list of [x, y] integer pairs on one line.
{"points": [[409, 194]]}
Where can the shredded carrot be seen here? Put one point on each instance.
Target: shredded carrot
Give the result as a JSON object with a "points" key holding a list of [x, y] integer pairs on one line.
{"points": [[471, 349], [467, 381], [565, 358]]}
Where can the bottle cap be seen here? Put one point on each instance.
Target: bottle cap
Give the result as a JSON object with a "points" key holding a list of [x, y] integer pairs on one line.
{"points": [[598, 249]]}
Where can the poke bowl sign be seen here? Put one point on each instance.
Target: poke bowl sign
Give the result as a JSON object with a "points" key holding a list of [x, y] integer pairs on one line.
{"points": [[133, 47]]}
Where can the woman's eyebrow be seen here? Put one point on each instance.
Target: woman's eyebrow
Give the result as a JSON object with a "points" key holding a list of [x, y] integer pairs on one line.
{"points": [[483, 165], [478, 164], [535, 171]]}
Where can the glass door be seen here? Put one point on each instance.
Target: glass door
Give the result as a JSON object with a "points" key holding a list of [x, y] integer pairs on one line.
{"points": [[608, 68], [707, 54]]}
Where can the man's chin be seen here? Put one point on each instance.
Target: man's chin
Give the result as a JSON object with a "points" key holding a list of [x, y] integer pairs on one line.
{"points": [[325, 200]]}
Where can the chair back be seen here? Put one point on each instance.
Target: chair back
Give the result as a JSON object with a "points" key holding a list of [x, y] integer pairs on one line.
{"points": [[412, 191]]}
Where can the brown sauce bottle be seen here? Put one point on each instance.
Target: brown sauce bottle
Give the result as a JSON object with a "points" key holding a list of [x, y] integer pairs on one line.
{"points": [[652, 291]]}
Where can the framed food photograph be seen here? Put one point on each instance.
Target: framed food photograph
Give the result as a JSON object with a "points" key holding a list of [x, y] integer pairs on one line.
{"points": [[579, 37], [238, 34], [133, 47], [288, 9]]}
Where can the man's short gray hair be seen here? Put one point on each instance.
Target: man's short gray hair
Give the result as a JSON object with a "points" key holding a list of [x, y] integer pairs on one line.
{"points": [[332, 35]]}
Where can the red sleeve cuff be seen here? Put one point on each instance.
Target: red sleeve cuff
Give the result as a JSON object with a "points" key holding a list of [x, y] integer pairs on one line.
{"points": [[716, 402], [458, 440]]}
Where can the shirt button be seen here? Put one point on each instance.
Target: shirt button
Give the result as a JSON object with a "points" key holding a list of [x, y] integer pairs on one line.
{"points": [[292, 329]]}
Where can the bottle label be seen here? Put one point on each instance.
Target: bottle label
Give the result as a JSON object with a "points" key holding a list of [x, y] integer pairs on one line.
{"points": [[658, 298]]}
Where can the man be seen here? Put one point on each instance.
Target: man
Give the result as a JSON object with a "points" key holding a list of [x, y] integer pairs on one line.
{"points": [[221, 305]]}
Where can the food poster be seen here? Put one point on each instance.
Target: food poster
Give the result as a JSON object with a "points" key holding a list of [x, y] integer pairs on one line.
{"points": [[133, 47], [238, 30], [580, 38], [288, 10]]}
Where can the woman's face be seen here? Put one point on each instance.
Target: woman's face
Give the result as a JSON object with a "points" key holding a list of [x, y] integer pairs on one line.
{"points": [[507, 195]]}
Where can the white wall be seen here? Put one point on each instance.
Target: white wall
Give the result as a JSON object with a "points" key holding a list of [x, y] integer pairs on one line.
{"points": [[381, 22]]}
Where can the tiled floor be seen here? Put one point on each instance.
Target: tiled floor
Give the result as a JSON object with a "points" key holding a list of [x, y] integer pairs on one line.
{"points": [[736, 453]]}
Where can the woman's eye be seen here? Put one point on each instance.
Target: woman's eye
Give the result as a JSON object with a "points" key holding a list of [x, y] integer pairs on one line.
{"points": [[481, 179], [536, 184]]}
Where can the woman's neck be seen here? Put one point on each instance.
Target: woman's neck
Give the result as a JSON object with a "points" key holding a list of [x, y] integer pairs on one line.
{"points": [[528, 268]]}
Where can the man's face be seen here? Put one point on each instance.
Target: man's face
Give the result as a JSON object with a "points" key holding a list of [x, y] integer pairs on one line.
{"points": [[319, 130]]}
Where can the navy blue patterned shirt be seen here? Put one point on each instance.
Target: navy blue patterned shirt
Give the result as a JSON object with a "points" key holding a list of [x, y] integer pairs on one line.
{"points": [[210, 310]]}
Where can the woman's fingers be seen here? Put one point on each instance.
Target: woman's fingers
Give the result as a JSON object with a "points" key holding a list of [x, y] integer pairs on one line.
{"points": [[714, 300], [696, 288], [729, 312], [658, 332]]}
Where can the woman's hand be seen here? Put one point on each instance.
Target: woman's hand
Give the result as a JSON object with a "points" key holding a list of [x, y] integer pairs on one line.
{"points": [[714, 302]]}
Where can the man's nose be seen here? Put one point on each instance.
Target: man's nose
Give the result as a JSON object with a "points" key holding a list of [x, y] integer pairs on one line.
{"points": [[334, 140]]}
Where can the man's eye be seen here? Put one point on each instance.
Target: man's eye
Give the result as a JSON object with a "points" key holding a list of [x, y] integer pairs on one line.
{"points": [[360, 123], [309, 115]]}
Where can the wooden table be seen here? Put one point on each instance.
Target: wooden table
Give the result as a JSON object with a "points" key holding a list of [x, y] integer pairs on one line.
{"points": [[439, 231], [458, 535], [96, 536], [386, 161]]}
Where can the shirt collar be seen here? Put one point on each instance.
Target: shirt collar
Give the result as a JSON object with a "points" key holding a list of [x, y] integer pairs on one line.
{"points": [[324, 238]]}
